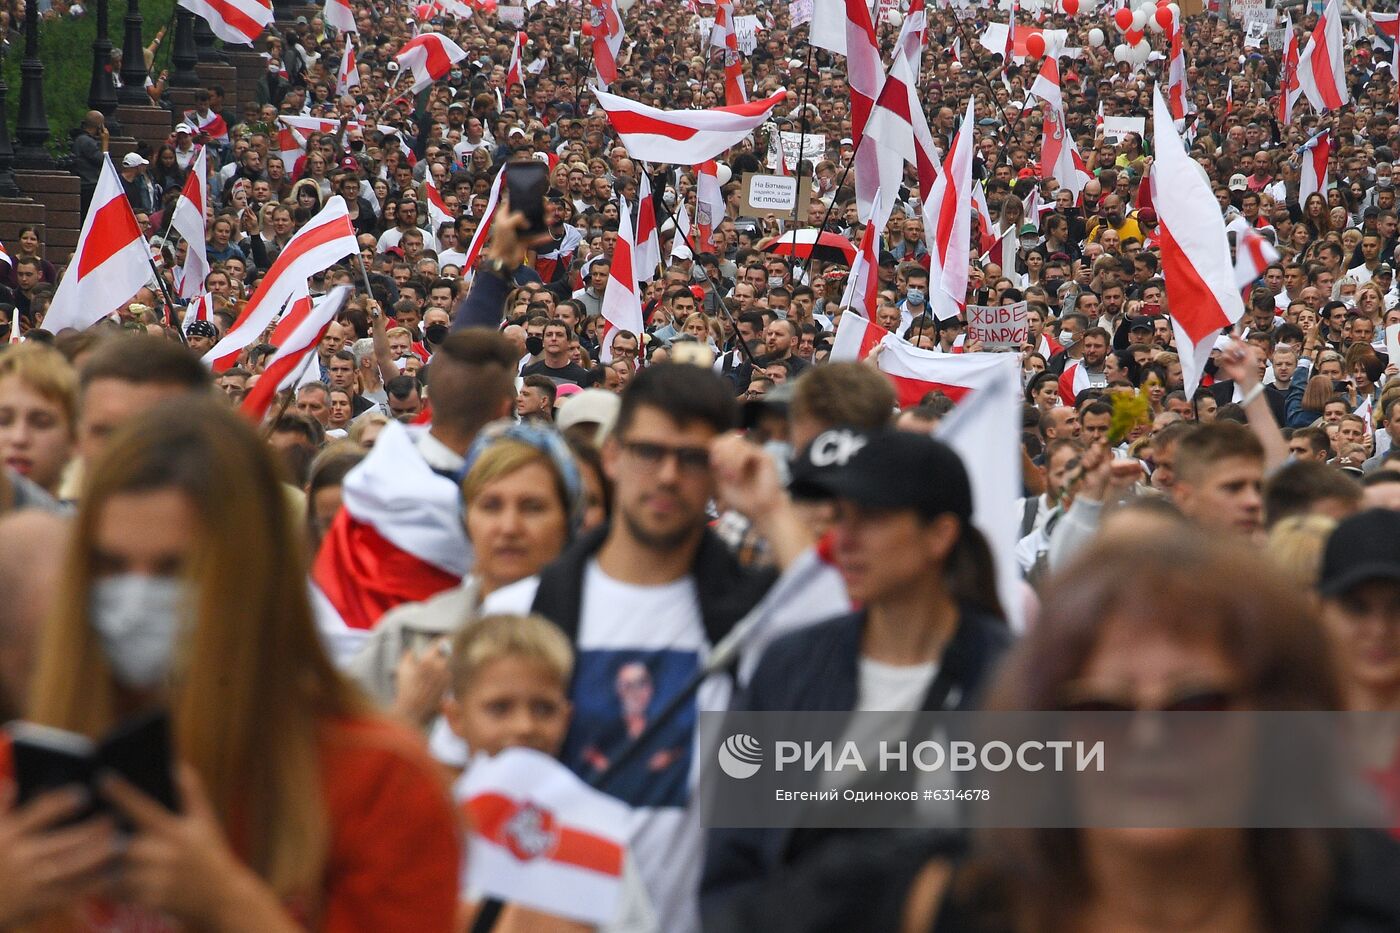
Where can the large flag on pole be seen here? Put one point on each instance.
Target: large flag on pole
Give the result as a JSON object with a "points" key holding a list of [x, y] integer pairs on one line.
{"points": [[723, 37], [865, 74], [1312, 170], [683, 137], [621, 308], [239, 22], [430, 57], [648, 246], [483, 226], [110, 264], [348, 75], [1322, 69], [948, 224], [605, 26], [1201, 295], [188, 221], [338, 15], [1288, 89], [296, 338], [326, 239]]}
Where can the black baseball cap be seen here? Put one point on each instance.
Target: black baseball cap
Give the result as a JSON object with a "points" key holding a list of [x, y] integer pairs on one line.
{"points": [[1362, 548], [884, 470]]}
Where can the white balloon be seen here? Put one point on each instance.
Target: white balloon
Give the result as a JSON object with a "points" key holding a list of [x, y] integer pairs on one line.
{"points": [[723, 174], [1139, 20], [1140, 52], [1152, 23], [1147, 9], [894, 18], [1176, 11], [1120, 52], [1096, 37]]}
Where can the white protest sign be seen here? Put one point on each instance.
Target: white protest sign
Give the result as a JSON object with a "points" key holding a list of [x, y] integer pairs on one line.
{"points": [[776, 193], [800, 11], [1115, 128], [515, 15], [746, 33], [1002, 327], [796, 147], [1241, 9]]}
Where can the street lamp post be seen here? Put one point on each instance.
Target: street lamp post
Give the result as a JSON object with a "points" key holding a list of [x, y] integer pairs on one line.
{"points": [[8, 188], [102, 92], [185, 55], [32, 127], [133, 89]]}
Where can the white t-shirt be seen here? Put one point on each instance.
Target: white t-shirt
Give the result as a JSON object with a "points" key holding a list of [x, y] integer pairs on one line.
{"points": [[893, 687], [390, 238], [630, 636]]}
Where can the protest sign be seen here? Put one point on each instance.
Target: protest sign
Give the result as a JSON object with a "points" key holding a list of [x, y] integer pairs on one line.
{"points": [[796, 147], [800, 11], [515, 15], [1115, 128], [998, 327]]}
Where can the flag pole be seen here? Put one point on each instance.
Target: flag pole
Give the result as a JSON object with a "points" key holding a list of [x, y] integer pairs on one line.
{"points": [[695, 260], [165, 293]]}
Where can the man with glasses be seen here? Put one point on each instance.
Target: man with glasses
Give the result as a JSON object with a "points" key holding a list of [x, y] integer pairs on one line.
{"points": [[654, 589]]}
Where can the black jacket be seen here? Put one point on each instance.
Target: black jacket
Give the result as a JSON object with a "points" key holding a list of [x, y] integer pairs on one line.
{"points": [[817, 669]]}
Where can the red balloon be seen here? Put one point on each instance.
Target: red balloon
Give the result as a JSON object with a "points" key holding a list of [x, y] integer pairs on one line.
{"points": [[1133, 36], [1071, 6], [1164, 18], [1124, 19], [1035, 45]]}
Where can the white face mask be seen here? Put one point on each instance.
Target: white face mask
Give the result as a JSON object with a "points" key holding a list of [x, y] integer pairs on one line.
{"points": [[1066, 338], [137, 618]]}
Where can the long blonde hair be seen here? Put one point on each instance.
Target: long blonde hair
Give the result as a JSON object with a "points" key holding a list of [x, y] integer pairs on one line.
{"points": [[253, 685]]}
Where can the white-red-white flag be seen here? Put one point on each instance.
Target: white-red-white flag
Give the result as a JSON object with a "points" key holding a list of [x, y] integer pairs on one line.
{"points": [[863, 283], [1201, 293], [238, 22], [542, 838], [913, 371], [1073, 380], [1312, 170], [339, 16], [291, 146], [1288, 74], [438, 214], [110, 264], [1322, 67], [199, 308], [1059, 157], [398, 539], [430, 57], [483, 227], [296, 338], [605, 26], [1178, 97], [683, 137], [865, 75], [188, 221], [1253, 253], [828, 26], [709, 205], [948, 224], [648, 240], [1047, 84], [348, 75], [723, 36], [515, 72], [621, 307], [325, 239]]}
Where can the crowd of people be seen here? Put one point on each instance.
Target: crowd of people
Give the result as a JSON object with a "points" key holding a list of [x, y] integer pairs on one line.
{"points": [[489, 519]]}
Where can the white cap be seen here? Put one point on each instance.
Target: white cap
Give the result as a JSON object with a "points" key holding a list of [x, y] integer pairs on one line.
{"points": [[184, 128], [591, 406], [133, 160]]}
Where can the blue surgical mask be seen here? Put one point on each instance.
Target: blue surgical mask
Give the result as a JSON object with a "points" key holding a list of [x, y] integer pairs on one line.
{"points": [[915, 296]]}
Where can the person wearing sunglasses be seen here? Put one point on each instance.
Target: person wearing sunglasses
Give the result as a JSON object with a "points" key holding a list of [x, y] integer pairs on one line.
{"points": [[927, 637], [1176, 623]]}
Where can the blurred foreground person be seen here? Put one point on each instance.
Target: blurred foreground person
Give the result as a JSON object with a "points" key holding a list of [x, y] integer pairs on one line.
{"points": [[184, 592]]}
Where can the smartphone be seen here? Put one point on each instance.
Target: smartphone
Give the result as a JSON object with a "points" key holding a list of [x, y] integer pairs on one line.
{"points": [[526, 183], [1150, 309]]}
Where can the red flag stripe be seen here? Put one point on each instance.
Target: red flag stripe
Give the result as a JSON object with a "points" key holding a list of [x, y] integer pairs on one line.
{"points": [[489, 815], [113, 228], [1193, 305], [364, 575], [297, 248]]}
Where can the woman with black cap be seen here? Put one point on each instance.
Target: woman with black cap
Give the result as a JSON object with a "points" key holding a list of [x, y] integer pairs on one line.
{"points": [[928, 635]]}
